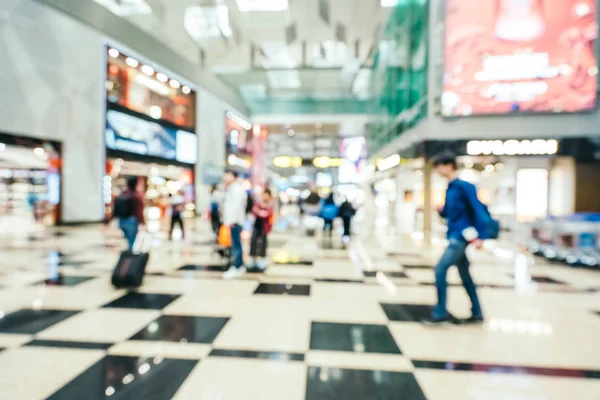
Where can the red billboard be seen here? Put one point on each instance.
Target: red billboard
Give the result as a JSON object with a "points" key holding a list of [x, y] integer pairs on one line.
{"points": [[519, 56]]}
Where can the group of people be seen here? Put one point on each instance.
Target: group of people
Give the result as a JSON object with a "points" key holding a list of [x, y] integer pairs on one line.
{"points": [[328, 210], [231, 211], [468, 224]]}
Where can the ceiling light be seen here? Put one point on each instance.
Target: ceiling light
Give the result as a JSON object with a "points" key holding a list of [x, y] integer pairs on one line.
{"points": [[148, 70], [132, 62], [262, 5], [291, 132], [174, 84], [162, 77], [186, 90], [389, 3], [124, 8], [207, 22], [114, 53]]}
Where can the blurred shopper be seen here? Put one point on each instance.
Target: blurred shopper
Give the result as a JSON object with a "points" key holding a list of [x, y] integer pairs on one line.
{"points": [[234, 215], [312, 203], [347, 212], [216, 198], [466, 218], [177, 208], [329, 212], [263, 223], [129, 209]]}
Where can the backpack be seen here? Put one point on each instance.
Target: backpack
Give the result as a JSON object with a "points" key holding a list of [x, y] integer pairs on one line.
{"points": [[329, 211], [123, 206], [491, 226]]}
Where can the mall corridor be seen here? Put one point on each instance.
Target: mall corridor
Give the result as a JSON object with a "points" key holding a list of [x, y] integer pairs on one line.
{"points": [[299, 200]]}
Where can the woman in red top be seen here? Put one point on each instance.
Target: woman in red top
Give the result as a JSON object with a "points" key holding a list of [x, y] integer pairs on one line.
{"points": [[263, 213]]}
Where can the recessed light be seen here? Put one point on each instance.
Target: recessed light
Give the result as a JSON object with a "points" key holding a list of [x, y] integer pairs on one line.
{"points": [[148, 70], [132, 62], [114, 53]]}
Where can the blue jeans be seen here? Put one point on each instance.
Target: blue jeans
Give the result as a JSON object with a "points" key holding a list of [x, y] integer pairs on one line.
{"points": [[236, 246], [129, 226], [454, 255]]}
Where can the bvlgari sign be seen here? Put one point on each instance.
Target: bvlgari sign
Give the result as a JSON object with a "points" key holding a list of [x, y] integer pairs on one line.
{"points": [[512, 147]]}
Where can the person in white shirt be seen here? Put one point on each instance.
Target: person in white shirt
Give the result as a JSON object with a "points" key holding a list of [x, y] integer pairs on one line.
{"points": [[234, 215]]}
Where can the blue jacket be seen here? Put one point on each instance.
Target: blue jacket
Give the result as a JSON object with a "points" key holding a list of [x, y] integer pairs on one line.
{"points": [[463, 209]]}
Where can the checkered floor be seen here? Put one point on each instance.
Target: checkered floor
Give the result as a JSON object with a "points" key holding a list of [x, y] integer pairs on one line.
{"points": [[322, 323]]}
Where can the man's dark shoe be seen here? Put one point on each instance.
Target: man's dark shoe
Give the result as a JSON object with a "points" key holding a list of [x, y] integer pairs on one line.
{"points": [[436, 321], [472, 321]]}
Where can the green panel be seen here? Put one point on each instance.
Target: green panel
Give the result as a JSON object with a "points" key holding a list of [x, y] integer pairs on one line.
{"points": [[399, 78], [307, 106]]}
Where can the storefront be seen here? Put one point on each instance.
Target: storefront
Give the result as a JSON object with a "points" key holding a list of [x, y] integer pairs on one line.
{"points": [[150, 134], [30, 182], [520, 180]]}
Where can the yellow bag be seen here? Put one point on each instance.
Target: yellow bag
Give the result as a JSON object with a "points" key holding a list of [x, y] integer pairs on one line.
{"points": [[224, 238]]}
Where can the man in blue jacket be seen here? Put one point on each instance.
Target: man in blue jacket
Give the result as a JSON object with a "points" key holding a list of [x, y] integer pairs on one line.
{"points": [[466, 217]]}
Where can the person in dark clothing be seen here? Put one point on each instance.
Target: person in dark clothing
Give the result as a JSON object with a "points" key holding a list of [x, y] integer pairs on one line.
{"points": [[129, 209], [263, 214], [177, 207], [466, 217], [215, 213], [329, 212], [347, 212]]}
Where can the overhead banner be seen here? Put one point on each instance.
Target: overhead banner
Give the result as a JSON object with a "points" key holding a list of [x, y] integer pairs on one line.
{"points": [[519, 56]]}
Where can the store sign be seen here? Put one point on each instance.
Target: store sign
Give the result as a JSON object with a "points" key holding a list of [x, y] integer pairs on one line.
{"points": [[512, 147], [513, 56], [138, 87], [127, 133]]}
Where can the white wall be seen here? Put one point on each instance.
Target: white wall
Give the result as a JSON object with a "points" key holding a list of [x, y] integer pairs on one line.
{"points": [[51, 70], [211, 141]]}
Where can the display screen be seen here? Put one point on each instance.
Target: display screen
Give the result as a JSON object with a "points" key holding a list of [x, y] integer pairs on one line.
{"points": [[134, 135], [354, 153], [514, 56], [140, 88]]}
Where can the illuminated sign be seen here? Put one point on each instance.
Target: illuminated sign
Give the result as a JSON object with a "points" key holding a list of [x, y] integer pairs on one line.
{"points": [[389, 162], [512, 56], [326, 162], [287, 162], [512, 147], [235, 161]]}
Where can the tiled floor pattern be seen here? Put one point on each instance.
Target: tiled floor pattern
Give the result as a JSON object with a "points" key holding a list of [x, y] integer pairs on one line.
{"points": [[343, 326]]}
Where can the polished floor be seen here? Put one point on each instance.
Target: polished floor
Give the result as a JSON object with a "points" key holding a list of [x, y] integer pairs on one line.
{"points": [[321, 323]]}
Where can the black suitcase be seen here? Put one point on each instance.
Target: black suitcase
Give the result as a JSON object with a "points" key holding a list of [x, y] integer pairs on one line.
{"points": [[131, 267]]}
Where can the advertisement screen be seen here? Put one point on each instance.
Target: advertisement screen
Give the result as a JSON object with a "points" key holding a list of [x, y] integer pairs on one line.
{"points": [[134, 135], [519, 56], [140, 88], [354, 153]]}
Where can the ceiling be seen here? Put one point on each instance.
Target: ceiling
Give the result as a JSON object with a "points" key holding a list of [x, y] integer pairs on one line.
{"points": [[317, 50]]}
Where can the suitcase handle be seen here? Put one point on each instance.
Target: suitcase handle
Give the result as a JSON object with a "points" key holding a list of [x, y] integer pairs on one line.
{"points": [[142, 244]]}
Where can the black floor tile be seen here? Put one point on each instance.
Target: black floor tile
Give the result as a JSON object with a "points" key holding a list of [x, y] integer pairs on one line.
{"points": [[335, 383], [325, 280], [288, 289], [204, 268], [32, 321], [300, 263], [353, 338], [172, 328], [395, 274], [546, 279], [508, 369], [66, 280], [264, 355], [130, 378], [146, 301], [407, 312], [74, 264], [70, 345], [414, 266]]}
